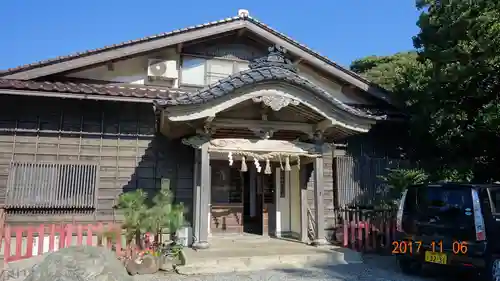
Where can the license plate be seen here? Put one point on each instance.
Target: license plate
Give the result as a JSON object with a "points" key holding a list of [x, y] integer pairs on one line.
{"points": [[438, 258]]}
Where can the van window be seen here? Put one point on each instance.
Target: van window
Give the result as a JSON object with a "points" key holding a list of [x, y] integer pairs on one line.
{"points": [[410, 202], [444, 201], [495, 197]]}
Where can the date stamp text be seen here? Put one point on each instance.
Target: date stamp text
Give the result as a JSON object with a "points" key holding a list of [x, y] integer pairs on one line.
{"points": [[415, 247]]}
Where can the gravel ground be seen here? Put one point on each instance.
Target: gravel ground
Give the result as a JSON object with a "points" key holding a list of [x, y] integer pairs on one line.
{"points": [[375, 268]]}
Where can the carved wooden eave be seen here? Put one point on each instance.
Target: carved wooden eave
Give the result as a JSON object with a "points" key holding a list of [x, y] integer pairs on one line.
{"points": [[275, 82], [261, 149], [276, 96]]}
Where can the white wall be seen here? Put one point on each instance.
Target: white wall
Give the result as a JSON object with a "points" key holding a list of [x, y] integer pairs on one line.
{"points": [[134, 71], [131, 71], [329, 85]]}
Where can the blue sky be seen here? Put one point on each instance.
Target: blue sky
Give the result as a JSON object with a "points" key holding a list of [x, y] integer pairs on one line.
{"points": [[342, 30]]}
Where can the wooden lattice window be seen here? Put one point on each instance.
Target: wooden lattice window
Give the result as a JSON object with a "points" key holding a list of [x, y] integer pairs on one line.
{"points": [[52, 185]]}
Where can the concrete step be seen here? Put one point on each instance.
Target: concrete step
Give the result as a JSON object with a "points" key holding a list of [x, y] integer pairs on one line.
{"points": [[263, 262]]}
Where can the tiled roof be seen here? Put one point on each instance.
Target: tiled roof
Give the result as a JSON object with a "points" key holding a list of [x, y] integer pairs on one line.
{"points": [[170, 97], [276, 67], [175, 32], [131, 91]]}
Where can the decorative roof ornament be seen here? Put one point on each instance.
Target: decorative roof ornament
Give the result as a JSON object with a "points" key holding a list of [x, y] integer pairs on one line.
{"points": [[243, 13], [276, 58]]}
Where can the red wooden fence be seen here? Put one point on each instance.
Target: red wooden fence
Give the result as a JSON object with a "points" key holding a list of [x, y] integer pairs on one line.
{"points": [[368, 230], [361, 230], [65, 233]]}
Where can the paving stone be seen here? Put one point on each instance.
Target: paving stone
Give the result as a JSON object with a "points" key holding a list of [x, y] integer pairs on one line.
{"points": [[374, 268]]}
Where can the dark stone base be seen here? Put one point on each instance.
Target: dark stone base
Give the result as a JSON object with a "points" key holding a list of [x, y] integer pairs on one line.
{"points": [[201, 245]]}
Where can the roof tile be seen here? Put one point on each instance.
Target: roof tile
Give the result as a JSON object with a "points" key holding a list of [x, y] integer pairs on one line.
{"points": [[93, 89]]}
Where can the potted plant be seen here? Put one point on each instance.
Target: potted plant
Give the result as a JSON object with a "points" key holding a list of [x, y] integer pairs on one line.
{"points": [[165, 215], [154, 216]]}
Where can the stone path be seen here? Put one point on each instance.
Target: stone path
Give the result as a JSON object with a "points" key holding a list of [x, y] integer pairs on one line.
{"points": [[374, 269]]}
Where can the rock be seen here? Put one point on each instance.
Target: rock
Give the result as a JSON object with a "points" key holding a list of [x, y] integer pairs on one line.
{"points": [[146, 265], [80, 263]]}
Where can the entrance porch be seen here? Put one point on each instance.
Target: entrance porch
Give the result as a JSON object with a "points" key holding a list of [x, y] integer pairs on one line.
{"points": [[265, 196]]}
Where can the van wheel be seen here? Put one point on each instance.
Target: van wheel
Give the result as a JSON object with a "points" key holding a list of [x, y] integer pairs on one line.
{"points": [[492, 272], [409, 267]]}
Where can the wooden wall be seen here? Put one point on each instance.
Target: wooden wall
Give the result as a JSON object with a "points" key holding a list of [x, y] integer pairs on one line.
{"points": [[354, 183], [120, 137]]}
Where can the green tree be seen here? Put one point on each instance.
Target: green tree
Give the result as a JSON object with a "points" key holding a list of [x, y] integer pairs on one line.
{"points": [[407, 78], [389, 72], [450, 89], [157, 215], [462, 41], [164, 214], [134, 208]]}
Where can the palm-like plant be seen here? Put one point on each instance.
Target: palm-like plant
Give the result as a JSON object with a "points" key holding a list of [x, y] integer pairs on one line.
{"points": [[398, 180]]}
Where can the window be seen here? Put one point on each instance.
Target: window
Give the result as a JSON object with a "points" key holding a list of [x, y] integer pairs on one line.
{"points": [[193, 71], [51, 185], [446, 202], [495, 197], [197, 71], [218, 69]]}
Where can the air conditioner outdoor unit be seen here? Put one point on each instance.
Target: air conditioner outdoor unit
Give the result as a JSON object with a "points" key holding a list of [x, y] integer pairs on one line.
{"points": [[162, 69]]}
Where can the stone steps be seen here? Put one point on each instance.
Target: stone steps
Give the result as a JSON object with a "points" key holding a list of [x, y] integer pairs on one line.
{"points": [[226, 264]]}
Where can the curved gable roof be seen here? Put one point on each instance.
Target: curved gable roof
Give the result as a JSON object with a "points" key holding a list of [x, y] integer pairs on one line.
{"points": [[262, 78], [273, 68]]}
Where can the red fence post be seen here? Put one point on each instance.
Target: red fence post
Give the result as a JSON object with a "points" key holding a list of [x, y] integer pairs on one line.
{"points": [[118, 240], [19, 241], [367, 233], [6, 250], [359, 227], [52, 237], [79, 235], [69, 235], [89, 234], [29, 242], [41, 238], [109, 242], [374, 228], [63, 231], [62, 235], [352, 229], [346, 229]]}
